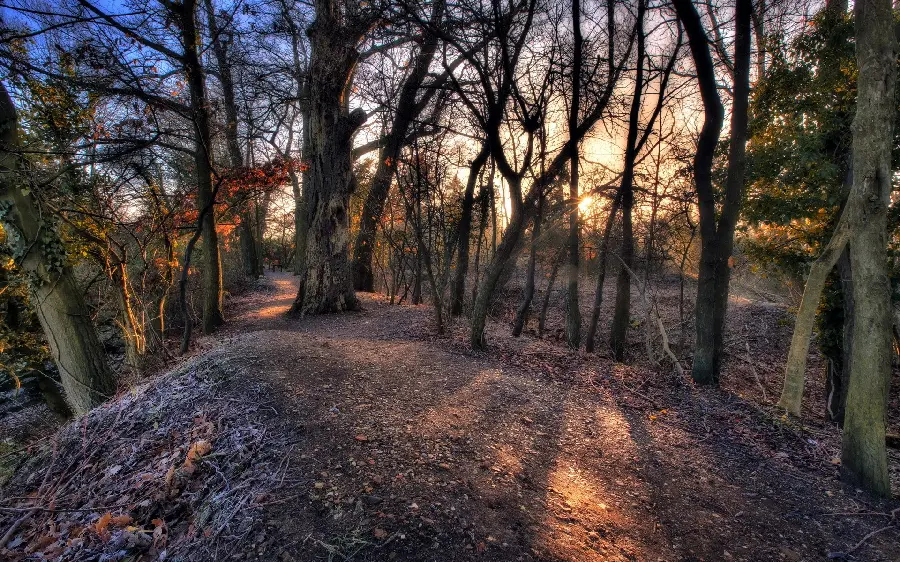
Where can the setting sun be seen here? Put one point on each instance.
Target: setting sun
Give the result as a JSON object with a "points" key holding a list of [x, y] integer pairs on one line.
{"points": [[586, 203]]}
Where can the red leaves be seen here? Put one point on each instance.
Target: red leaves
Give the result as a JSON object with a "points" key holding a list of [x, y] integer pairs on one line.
{"points": [[239, 182]]}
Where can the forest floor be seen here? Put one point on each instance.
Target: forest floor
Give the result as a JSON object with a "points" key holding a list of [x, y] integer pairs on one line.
{"points": [[365, 436]]}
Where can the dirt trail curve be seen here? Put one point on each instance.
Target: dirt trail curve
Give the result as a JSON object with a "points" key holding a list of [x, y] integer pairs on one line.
{"points": [[409, 447]]}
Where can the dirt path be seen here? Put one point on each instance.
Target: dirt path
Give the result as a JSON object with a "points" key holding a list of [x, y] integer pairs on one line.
{"points": [[411, 448]]}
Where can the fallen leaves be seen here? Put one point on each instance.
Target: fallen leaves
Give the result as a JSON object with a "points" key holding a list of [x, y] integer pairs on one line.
{"points": [[107, 520], [197, 450]]}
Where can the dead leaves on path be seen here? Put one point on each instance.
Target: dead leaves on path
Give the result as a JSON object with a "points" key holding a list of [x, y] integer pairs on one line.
{"points": [[166, 471]]}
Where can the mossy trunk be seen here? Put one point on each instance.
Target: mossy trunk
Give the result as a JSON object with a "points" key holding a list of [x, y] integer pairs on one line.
{"points": [[58, 301], [863, 454]]}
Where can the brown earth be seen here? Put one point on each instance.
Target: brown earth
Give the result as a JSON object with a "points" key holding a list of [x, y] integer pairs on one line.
{"points": [[364, 436]]}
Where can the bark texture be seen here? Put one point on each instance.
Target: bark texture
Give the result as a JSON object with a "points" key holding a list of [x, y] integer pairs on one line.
{"points": [[327, 285], [61, 310], [863, 454]]}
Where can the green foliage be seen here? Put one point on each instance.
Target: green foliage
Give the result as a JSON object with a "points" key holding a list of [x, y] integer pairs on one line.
{"points": [[800, 144], [23, 352], [799, 151]]}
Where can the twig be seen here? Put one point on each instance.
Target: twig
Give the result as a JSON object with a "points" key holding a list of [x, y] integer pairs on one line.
{"points": [[67, 509], [869, 536], [659, 323], [755, 372], [15, 526]]}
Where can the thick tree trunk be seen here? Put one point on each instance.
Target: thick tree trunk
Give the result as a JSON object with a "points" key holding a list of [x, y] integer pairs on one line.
{"points": [[622, 313], [717, 240], [61, 310], [247, 243], [327, 284], [457, 297], [573, 308], [863, 455], [212, 264], [406, 112]]}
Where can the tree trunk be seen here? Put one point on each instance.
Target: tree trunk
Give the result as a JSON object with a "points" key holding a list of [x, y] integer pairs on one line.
{"points": [[247, 244], [622, 313], [573, 308], [406, 112], [212, 265], [59, 303], [734, 181], [132, 330], [246, 234], [542, 317], [837, 381], [525, 307], [327, 285], [457, 298], [863, 454], [505, 253], [299, 224], [602, 259], [795, 368], [482, 225], [717, 240]]}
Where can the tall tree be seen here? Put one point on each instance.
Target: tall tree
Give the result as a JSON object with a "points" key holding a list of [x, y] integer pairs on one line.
{"points": [[717, 233], [573, 308], [326, 285], [219, 35], [458, 290], [186, 19], [407, 110], [59, 302], [622, 312], [863, 455]]}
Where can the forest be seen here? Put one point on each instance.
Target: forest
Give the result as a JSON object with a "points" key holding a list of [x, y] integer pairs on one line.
{"points": [[449, 280]]}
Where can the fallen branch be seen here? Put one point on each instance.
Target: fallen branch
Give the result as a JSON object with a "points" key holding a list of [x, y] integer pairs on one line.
{"points": [[15, 526], [659, 323]]}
